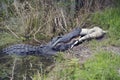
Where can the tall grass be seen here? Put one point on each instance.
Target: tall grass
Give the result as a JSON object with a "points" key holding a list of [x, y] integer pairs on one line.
{"points": [[38, 17], [109, 20], [41, 19]]}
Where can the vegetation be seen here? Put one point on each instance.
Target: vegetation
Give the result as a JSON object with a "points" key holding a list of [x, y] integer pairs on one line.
{"points": [[37, 21], [102, 66], [109, 20]]}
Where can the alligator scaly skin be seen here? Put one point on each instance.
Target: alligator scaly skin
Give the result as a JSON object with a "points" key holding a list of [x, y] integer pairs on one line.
{"points": [[57, 44], [25, 49], [20, 49]]}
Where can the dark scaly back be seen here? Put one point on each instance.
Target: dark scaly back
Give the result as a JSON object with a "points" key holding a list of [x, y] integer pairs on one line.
{"points": [[19, 49], [25, 49]]}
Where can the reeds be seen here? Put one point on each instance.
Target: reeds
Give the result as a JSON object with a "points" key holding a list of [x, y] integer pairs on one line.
{"points": [[48, 18]]}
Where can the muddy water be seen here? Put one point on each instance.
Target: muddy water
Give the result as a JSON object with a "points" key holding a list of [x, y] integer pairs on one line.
{"points": [[23, 67]]}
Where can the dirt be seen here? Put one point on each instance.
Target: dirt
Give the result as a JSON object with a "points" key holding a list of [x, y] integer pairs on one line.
{"points": [[113, 49], [84, 51]]}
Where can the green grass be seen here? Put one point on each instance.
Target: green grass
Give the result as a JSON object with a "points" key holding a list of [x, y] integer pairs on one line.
{"points": [[109, 19], [102, 66], [7, 38]]}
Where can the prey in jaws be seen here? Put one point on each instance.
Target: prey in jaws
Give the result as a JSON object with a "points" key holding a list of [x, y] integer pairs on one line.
{"points": [[86, 34]]}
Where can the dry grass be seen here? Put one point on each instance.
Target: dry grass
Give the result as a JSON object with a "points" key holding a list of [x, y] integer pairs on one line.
{"points": [[48, 18]]}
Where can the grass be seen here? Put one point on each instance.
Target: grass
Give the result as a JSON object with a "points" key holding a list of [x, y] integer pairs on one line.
{"points": [[7, 38], [109, 20], [102, 66]]}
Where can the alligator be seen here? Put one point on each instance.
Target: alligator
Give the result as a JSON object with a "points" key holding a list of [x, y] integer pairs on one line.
{"points": [[60, 43]]}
